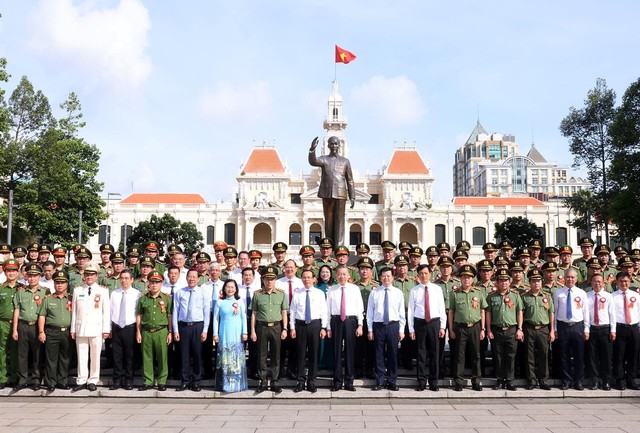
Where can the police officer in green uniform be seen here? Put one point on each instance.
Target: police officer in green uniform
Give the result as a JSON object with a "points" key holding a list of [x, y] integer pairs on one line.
{"points": [[25, 315], [8, 346], [152, 250], [501, 262], [112, 282], [269, 327], [54, 320], [83, 256], [365, 358], [518, 280], [415, 257], [388, 254], [448, 283], [326, 250], [504, 325], [154, 331], [594, 267], [59, 257], [133, 257], [603, 253], [147, 265], [486, 285], [342, 257], [231, 267], [433, 255], [551, 254], [538, 330], [586, 246], [408, 350], [625, 264], [535, 246], [363, 250], [506, 249], [307, 253], [202, 263], [467, 326], [524, 257], [280, 255], [106, 270], [20, 254], [549, 279]]}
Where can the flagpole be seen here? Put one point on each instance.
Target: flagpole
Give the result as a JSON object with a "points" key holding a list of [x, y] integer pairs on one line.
{"points": [[335, 66]]}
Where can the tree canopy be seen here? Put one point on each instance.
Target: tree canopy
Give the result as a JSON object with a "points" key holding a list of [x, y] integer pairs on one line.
{"points": [[517, 230], [167, 230], [50, 168]]}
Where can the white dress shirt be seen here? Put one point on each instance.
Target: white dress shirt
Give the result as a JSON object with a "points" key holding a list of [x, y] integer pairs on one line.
{"points": [[168, 288], [606, 312], [182, 280], [436, 305], [579, 311], [243, 292], [375, 306], [633, 301], [283, 284], [353, 302], [131, 303], [318, 306], [236, 275], [46, 283], [212, 291]]}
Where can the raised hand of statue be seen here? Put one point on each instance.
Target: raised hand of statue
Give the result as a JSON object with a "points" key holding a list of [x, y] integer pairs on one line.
{"points": [[314, 144], [353, 203]]}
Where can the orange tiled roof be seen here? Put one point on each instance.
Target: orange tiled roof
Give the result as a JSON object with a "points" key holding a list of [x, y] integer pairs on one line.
{"points": [[406, 161], [164, 198], [496, 201], [263, 160]]}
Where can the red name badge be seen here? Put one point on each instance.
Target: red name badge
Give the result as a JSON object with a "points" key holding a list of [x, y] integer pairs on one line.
{"points": [[602, 302], [69, 305], [578, 301], [96, 300], [545, 301], [507, 300], [38, 300], [235, 308], [163, 307], [474, 301]]}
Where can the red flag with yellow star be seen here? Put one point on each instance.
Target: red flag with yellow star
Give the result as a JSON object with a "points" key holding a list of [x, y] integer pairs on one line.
{"points": [[344, 56]]}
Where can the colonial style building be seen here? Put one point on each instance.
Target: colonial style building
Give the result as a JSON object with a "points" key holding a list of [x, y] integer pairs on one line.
{"points": [[274, 204]]}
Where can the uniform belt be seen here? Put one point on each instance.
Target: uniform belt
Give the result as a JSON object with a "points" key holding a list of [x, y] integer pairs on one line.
{"points": [[470, 325], [302, 322], [568, 324], [190, 323], [26, 322], [57, 328], [269, 324], [6, 320], [348, 317], [503, 328], [535, 327], [153, 330]]}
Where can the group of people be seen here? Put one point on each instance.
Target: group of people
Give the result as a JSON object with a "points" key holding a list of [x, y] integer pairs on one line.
{"points": [[540, 311]]}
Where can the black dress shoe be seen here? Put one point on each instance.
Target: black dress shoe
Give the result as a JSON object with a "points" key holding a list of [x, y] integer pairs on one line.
{"points": [[497, 386], [335, 388], [421, 387], [51, 388], [579, 387], [34, 387], [195, 387], [65, 386], [312, 388], [457, 387], [529, 386], [393, 387], [621, 387], [476, 387], [128, 386], [350, 388], [606, 386], [275, 388], [511, 387], [545, 386], [79, 387], [114, 386], [299, 388], [162, 387], [3, 385], [19, 386], [143, 387], [377, 388], [261, 389], [92, 387], [434, 388], [182, 387], [633, 386], [564, 386], [594, 386]]}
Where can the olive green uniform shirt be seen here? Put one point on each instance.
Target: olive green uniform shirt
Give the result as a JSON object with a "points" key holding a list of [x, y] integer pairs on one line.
{"points": [[405, 285], [365, 290], [25, 301], [537, 308], [267, 306], [467, 306], [56, 310], [448, 288], [7, 294], [152, 312], [313, 269], [504, 307]]}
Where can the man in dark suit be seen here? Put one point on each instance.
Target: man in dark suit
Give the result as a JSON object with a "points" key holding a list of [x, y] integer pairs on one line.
{"points": [[336, 181]]}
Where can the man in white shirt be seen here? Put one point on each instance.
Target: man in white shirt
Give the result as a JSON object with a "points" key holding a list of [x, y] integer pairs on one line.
{"points": [[345, 310], [178, 259], [245, 291], [308, 321], [627, 343], [427, 319], [572, 319], [602, 333], [124, 302], [90, 325], [386, 321], [289, 283], [47, 276]]}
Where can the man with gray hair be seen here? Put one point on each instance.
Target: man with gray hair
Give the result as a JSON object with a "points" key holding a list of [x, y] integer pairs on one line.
{"points": [[212, 290]]}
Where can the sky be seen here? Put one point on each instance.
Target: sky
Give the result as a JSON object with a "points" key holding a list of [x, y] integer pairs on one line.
{"points": [[177, 93]]}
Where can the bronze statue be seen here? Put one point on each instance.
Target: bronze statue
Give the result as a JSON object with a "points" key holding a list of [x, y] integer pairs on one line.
{"points": [[335, 182]]}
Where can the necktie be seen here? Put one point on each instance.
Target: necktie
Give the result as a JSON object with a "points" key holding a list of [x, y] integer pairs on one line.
{"points": [[307, 309], [248, 301], [122, 321], [173, 288], [569, 314], [596, 319], [343, 306], [385, 313], [427, 310], [290, 291], [89, 291], [189, 307], [627, 311]]}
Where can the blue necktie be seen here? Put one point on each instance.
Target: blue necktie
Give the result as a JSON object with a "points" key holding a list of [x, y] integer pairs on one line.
{"points": [[307, 309], [190, 307], [248, 300], [385, 314], [569, 314]]}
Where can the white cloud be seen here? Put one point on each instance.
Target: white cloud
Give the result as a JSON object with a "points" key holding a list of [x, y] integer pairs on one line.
{"points": [[249, 102], [106, 44], [394, 100]]}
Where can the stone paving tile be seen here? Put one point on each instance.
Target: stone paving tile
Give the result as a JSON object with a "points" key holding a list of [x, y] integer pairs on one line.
{"points": [[465, 424], [47, 422], [517, 425], [348, 425], [188, 424], [523, 430], [320, 416], [147, 430], [443, 430], [216, 430], [586, 430], [63, 429], [21, 429], [313, 430], [392, 425]]}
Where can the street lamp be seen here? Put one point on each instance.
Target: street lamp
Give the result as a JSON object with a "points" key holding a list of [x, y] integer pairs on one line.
{"points": [[109, 195]]}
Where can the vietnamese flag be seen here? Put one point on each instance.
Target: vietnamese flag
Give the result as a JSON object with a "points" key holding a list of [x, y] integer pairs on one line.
{"points": [[344, 56]]}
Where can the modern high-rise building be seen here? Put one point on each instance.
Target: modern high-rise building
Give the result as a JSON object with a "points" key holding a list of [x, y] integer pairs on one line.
{"points": [[489, 165]]}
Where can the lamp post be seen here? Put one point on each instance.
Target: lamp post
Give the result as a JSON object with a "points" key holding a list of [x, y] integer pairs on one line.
{"points": [[109, 195]]}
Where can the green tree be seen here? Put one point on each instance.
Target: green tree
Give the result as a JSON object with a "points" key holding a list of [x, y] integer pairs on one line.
{"points": [[167, 230], [625, 167], [591, 145], [582, 205], [517, 230]]}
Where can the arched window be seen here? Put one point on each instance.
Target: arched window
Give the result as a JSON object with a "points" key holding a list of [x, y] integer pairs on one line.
{"points": [[440, 233], [262, 234], [315, 233], [479, 235], [409, 233], [230, 233], [458, 235], [295, 234], [210, 235], [561, 236], [355, 234], [104, 234], [375, 234]]}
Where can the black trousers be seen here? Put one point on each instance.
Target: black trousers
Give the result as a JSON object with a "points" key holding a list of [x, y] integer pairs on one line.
{"points": [[365, 358], [123, 340], [268, 345], [385, 338], [252, 348], [344, 341], [537, 344], [599, 347], [208, 353], [428, 345], [571, 342], [625, 352], [307, 342], [288, 359], [467, 337], [191, 348], [503, 349], [28, 350]]}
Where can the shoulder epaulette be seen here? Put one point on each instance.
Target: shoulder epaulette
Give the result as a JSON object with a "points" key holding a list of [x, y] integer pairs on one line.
{"points": [[516, 290], [277, 290]]}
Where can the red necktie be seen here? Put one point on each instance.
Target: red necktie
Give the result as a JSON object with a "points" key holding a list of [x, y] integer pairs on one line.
{"points": [[596, 319], [290, 291], [343, 307], [427, 310], [627, 311]]}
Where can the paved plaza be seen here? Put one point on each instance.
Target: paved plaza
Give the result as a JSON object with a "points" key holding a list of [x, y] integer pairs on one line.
{"points": [[93, 415]]}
